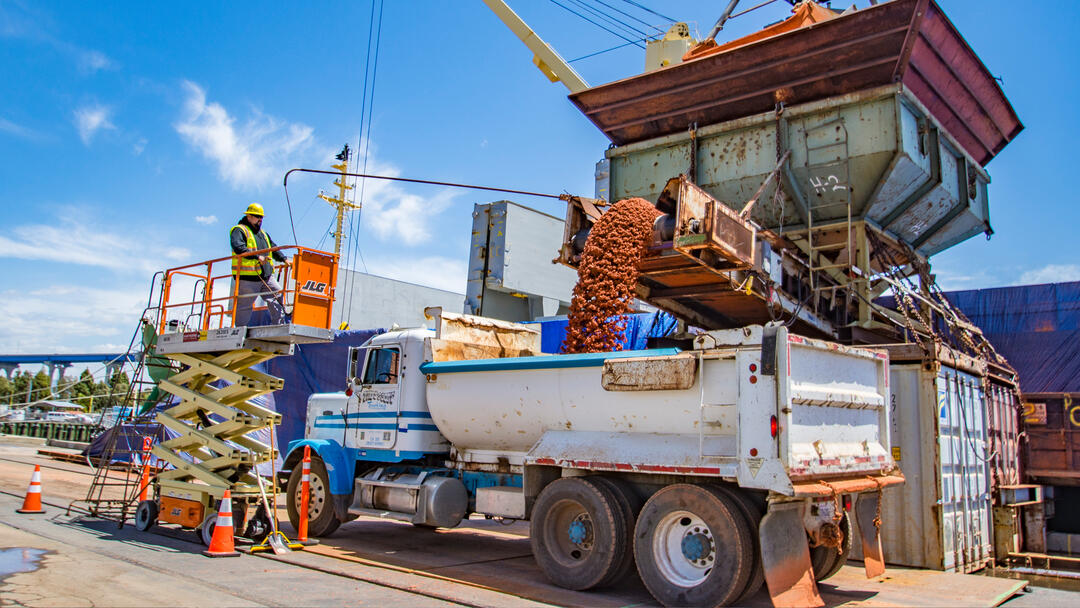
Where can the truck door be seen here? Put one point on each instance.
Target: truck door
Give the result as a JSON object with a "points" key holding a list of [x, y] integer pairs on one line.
{"points": [[375, 423]]}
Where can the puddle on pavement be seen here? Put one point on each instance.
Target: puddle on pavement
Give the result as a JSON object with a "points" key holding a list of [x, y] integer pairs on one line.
{"points": [[19, 559], [1067, 582]]}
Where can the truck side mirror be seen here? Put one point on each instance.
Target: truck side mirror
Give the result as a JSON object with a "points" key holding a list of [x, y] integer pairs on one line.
{"points": [[355, 358]]}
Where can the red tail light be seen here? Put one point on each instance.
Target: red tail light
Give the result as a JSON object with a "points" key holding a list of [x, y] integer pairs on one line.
{"points": [[774, 426], [847, 502]]}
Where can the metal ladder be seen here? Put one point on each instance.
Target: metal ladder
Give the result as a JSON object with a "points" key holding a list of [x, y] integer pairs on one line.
{"points": [[117, 482], [828, 171]]}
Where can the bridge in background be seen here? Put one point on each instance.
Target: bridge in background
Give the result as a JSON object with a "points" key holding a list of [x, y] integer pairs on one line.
{"points": [[62, 361]]}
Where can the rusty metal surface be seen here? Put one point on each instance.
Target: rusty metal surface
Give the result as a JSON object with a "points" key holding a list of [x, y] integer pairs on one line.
{"points": [[704, 223], [904, 40], [844, 486], [1003, 430], [785, 556], [868, 516], [1052, 449], [649, 373]]}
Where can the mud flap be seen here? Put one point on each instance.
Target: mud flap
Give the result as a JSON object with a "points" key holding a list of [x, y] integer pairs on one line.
{"points": [[785, 556], [866, 510]]}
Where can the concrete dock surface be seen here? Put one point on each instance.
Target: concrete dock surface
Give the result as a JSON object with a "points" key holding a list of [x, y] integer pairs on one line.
{"points": [[57, 559]]}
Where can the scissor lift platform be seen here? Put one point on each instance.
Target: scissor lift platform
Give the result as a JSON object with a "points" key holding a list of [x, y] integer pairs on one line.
{"points": [[277, 339], [214, 412]]}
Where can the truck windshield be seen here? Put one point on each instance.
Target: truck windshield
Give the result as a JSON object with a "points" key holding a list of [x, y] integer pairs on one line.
{"points": [[382, 367]]}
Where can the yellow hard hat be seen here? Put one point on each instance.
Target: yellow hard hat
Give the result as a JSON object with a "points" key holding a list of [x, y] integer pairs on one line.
{"points": [[254, 209]]}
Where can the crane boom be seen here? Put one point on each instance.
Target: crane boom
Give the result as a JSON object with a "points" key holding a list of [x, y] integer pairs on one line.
{"points": [[550, 62]]}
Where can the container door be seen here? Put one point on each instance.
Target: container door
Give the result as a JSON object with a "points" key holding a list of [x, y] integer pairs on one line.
{"points": [[374, 423], [965, 487]]}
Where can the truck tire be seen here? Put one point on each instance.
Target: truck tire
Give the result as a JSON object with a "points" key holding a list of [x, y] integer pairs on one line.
{"points": [[628, 501], [827, 561], [321, 518], [693, 547], [577, 533], [752, 513]]}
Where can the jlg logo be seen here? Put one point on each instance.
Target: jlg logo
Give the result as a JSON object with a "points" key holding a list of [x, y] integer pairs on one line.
{"points": [[314, 287]]}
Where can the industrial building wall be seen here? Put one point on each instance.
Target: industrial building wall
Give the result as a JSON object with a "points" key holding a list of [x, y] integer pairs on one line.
{"points": [[367, 300]]}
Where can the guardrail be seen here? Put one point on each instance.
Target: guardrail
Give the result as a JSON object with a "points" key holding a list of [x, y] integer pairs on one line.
{"points": [[64, 431]]}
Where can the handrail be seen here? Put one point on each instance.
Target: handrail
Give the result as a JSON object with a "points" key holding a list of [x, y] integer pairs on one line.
{"points": [[220, 312]]}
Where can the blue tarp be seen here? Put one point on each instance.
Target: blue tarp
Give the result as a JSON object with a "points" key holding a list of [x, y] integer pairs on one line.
{"points": [[313, 368], [1035, 327], [638, 328]]}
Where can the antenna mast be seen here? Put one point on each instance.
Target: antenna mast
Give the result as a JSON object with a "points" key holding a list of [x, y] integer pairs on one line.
{"points": [[339, 203]]}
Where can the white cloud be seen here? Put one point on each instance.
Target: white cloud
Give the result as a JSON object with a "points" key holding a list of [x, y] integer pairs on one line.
{"points": [[394, 214], [6, 126], [206, 220], [91, 119], [70, 242], [62, 318], [139, 145], [440, 272], [254, 154], [1051, 273], [91, 61]]}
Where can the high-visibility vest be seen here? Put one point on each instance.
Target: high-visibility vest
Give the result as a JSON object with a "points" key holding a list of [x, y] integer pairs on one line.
{"points": [[250, 265]]}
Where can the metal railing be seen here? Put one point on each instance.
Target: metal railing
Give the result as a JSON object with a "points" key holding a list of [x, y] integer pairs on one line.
{"points": [[308, 277], [63, 431]]}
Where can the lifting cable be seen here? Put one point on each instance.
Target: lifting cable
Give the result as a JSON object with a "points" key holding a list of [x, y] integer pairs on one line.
{"points": [[599, 25], [428, 182], [649, 10], [642, 22], [615, 22], [367, 110]]}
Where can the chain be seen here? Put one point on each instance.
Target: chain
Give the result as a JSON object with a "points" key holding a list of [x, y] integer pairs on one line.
{"points": [[880, 501], [830, 534], [778, 195]]}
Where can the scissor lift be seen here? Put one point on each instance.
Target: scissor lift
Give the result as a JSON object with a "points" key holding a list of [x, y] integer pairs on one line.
{"points": [[216, 385]]}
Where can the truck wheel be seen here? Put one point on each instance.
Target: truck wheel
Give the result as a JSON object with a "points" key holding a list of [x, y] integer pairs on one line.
{"points": [[628, 501], [693, 547], [827, 561], [321, 518], [578, 533], [752, 513]]}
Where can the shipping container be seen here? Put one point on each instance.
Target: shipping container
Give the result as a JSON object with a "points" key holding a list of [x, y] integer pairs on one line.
{"points": [[1052, 425], [1003, 403], [940, 519]]}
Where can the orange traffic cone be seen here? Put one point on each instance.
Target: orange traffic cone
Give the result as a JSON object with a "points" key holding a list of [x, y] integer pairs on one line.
{"points": [[32, 503], [221, 543], [144, 479], [305, 497]]}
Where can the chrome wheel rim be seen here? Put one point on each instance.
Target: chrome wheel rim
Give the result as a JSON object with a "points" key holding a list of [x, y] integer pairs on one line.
{"points": [[316, 496], [684, 549]]}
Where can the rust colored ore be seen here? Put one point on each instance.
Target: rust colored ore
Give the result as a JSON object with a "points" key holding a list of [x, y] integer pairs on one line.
{"points": [[606, 277]]}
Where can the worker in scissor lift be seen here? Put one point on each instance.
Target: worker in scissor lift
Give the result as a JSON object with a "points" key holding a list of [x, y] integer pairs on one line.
{"points": [[254, 274]]}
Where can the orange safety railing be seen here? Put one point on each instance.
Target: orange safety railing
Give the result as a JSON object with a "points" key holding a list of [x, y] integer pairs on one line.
{"points": [[308, 281]]}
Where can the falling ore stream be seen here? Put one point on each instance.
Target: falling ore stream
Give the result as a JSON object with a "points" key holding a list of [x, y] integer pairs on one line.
{"points": [[607, 274]]}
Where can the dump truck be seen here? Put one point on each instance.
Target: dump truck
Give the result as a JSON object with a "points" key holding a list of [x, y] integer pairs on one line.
{"points": [[714, 468]]}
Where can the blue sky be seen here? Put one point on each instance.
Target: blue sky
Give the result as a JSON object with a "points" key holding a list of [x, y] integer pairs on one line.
{"points": [[133, 134]]}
